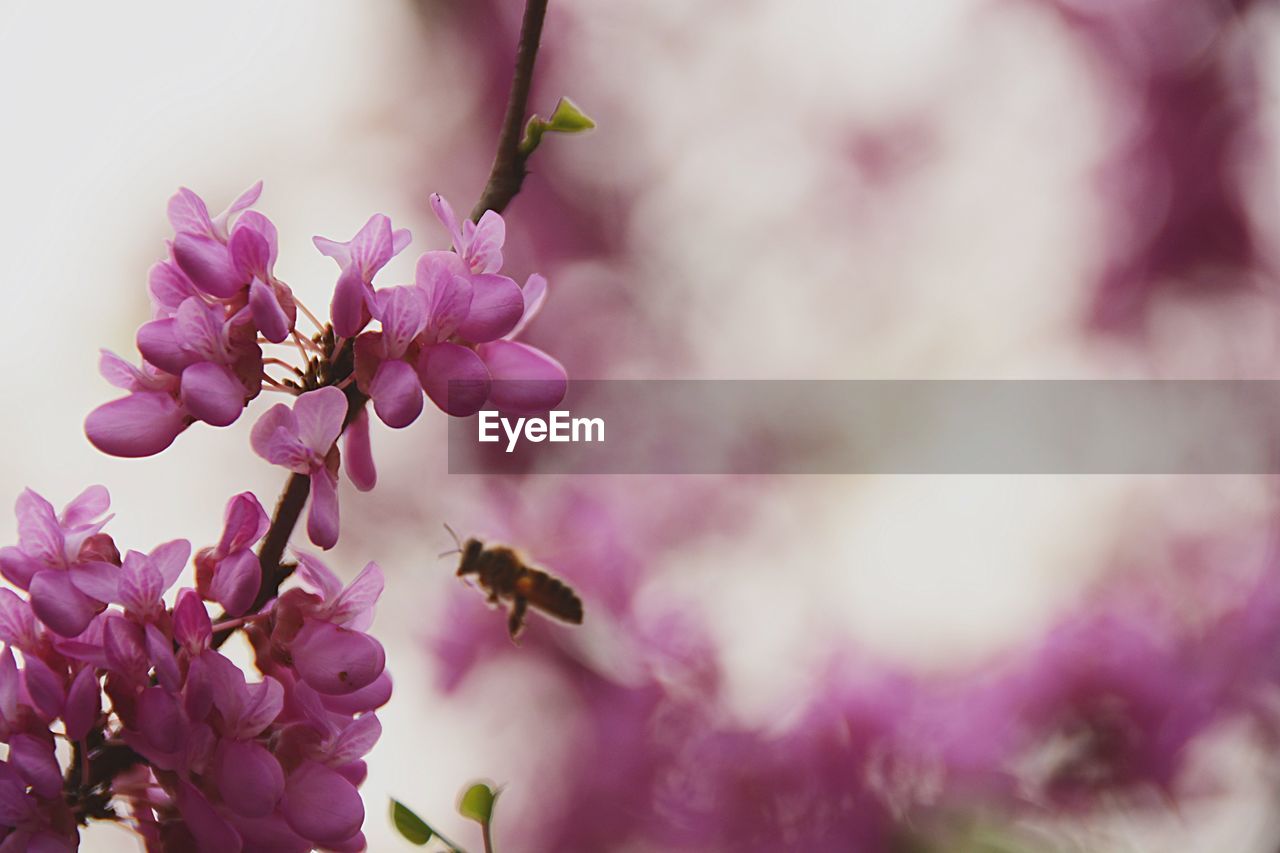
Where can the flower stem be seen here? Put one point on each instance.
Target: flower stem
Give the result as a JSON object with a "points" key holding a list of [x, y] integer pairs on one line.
{"points": [[507, 174]]}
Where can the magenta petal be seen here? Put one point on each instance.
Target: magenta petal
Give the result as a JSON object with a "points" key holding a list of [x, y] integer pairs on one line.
{"points": [[188, 213], [320, 415], [236, 581], [347, 310], [243, 524], [142, 424], [192, 628], [497, 304], [535, 293], [249, 778], [211, 831], [35, 762], [484, 251], [86, 506], [97, 580], [212, 393], [123, 642], [525, 380], [45, 688], [160, 344], [321, 805], [57, 603], [322, 515], [402, 311], [275, 437], [207, 262], [168, 286], [160, 720], [268, 316], [441, 276], [318, 576], [262, 703], [250, 253], [160, 651], [17, 567], [357, 456], [367, 698], [396, 394], [454, 378], [83, 704], [356, 740], [336, 660]]}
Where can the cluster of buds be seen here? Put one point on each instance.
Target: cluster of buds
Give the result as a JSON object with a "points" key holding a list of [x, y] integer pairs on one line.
{"points": [[201, 757]]}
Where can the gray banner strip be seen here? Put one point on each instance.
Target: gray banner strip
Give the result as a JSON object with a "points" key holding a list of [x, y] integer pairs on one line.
{"points": [[890, 427]]}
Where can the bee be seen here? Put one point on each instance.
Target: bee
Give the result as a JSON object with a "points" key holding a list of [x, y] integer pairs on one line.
{"points": [[503, 574]]}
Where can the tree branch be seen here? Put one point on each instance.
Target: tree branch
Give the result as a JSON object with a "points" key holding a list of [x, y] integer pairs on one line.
{"points": [[507, 174], [505, 180]]}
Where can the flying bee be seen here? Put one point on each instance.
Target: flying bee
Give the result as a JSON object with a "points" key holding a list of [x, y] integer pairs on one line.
{"points": [[502, 573]]}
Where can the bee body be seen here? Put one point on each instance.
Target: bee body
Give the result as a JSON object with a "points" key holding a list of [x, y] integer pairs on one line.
{"points": [[504, 575]]}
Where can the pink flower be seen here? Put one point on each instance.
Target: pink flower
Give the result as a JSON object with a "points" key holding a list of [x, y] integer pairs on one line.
{"points": [[360, 259], [230, 572], [303, 440], [60, 560], [330, 650]]}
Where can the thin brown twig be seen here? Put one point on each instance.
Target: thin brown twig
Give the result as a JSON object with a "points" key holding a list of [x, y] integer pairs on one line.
{"points": [[508, 171]]}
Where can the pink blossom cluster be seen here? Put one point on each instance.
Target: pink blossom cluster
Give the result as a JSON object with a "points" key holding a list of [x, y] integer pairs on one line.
{"points": [[202, 758], [450, 333], [217, 302]]}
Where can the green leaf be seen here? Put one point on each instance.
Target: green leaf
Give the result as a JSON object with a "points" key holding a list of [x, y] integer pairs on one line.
{"points": [[569, 119], [477, 803], [412, 827]]}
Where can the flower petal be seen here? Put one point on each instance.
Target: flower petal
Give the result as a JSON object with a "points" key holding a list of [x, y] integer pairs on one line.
{"points": [[211, 832], [268, 315], [318, 576], [86, 506], [160, 344], [321, 805], [98, 580], [454, 378], [188, 213], [142, 424], [320, 415], [275, 438], [36, 763], [169, 559], [357, 455], [535, 293], [45, 688], [349, 310], [496, 306], [441, 277], [336, 660], [244, 523], [322, 515], [212, 393], [484, 250], [83, 704], [525, 380], [192, 628], [402, 311], [249, 778], [354, 606], [236, 582], [207, 262], [396, 394], [57, 603]]}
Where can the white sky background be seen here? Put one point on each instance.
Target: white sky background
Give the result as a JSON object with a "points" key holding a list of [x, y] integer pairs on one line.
{"points": [[976, 265]]}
